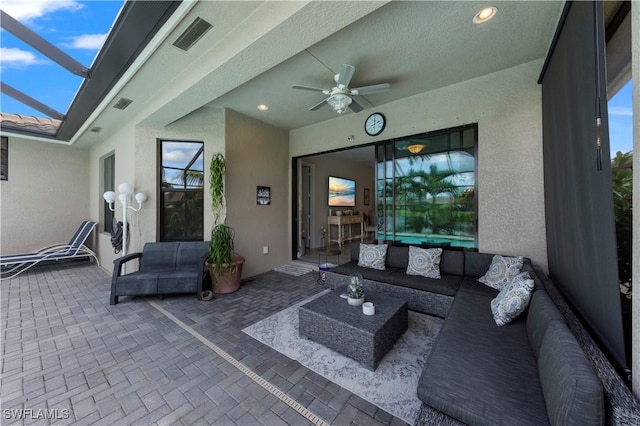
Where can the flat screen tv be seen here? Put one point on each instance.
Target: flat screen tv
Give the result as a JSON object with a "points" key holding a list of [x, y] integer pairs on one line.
{"points": [[342, 192]]}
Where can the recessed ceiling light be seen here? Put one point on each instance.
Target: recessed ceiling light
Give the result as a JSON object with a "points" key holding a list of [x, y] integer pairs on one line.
{"points": [[485, 15], [263, 107]]}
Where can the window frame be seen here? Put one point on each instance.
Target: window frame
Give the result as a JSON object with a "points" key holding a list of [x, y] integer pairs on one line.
{"points": [[161, 192], [108, 184]]}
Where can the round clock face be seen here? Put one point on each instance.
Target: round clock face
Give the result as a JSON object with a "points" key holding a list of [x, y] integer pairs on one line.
{"points": [[374, 125]]}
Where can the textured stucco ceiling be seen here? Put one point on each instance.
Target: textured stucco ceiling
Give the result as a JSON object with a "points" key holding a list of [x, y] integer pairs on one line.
{"points": [[257, 50]]}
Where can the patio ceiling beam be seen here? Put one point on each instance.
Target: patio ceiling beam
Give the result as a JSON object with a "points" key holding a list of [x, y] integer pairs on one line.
{"points": [[42, 45], [29, 101]]}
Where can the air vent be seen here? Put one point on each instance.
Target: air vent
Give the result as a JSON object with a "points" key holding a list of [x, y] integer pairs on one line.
{"points": [[192, 34], [96, 129], [122, 103]]}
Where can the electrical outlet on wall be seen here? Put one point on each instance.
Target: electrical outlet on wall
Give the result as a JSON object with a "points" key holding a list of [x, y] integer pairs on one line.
{"points": [[265, 250]]}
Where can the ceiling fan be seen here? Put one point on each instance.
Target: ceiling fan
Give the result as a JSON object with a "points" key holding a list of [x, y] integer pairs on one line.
{"points": [[341, 96]]}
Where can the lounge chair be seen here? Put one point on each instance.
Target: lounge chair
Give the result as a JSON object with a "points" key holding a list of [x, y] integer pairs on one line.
{"points": [[13, 265]]}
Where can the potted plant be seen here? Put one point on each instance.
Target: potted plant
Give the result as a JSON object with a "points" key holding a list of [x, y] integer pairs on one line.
{"points": [[355, 290], [225, 266]]}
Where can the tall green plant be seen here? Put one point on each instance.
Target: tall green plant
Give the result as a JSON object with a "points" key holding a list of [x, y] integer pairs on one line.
{"points": [[217, 169], [221, 246]]}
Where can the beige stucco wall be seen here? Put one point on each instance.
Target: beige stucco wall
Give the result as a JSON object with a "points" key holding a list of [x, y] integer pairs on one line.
{"points": [[135, 148], [206, 125], [46, 196], [120, 143], [257, 154], [507, 107]]}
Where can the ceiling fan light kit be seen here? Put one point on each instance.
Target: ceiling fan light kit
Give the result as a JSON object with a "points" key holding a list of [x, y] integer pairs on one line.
{"points": [[339, 102], [341, 96]]}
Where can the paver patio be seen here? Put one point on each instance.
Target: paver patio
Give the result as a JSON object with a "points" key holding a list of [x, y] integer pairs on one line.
{"points": [[151, 361]]}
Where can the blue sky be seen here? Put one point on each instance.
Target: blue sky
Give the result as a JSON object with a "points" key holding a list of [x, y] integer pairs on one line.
{"points": [[80, 27], [77, 27], [620, 120]]}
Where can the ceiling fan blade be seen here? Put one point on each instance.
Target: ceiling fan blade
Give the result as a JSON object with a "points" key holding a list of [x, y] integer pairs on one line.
{"points": [[354, 106], [344, 78], [367, 90], [313, 89], [318, 105]]}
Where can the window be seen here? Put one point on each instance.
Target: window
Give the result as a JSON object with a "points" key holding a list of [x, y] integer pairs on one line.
{"points": [[4, 158], [181, 176], [109, 184], [426, 188]]}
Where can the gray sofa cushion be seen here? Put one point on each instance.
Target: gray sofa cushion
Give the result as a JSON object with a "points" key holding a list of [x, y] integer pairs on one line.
{"points": [[572, 391], [398, 257], [446, 284], [471, 285], [367, 273], [542, 311], [476, 264], [492, 362], [452, 262]]}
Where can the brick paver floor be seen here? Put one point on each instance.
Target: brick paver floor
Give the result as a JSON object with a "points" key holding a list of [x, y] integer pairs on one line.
{"points": [[68, 357]]}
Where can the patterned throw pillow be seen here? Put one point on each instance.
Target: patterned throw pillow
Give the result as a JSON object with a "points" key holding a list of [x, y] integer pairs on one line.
{"points": [[424, 262], [512, 300], [501, 271], [372, 256]]}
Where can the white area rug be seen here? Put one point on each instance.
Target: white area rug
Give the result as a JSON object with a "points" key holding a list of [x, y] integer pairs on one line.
{"points": [[295, 270], [391, 387]]}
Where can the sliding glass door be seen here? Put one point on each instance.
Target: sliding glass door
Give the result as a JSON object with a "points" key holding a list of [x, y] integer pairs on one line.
{"points": [[426, 188]]}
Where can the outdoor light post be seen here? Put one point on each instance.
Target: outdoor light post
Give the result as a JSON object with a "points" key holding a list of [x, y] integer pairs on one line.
{"points": [[126, 191]]}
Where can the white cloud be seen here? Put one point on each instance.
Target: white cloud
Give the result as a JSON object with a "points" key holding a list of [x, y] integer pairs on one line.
{"points": [[87, 41], [27, 10], [179, 154], [624, 111], [14, 57]]}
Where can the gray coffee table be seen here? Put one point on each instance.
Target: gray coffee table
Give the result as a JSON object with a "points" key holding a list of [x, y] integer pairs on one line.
{"points": [[332, 322]]}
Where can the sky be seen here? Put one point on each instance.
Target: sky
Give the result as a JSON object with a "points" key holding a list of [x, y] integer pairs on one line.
{"points": [[79, 29]]}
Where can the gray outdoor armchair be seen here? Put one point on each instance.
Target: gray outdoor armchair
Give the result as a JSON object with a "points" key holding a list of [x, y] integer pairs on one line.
{"points": [[164, 268]]}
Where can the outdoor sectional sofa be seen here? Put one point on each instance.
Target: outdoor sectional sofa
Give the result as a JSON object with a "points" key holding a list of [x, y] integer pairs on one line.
{"points": [[530, 371]]}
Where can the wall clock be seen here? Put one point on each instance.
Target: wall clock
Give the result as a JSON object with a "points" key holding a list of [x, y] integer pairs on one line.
{"points": [[374, 124]]}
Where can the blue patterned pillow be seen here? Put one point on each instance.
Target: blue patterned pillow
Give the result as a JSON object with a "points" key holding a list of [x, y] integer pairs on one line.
{"points": [[501, 271], [372, 256], [424, 262], [512, 300]]}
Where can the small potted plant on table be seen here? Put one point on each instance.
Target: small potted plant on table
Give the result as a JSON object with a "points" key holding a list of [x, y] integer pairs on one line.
{"points": [[355, 290]]}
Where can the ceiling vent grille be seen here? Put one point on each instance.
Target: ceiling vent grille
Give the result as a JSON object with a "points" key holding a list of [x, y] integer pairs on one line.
{"points": [[192, 34], [122, 103]]}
